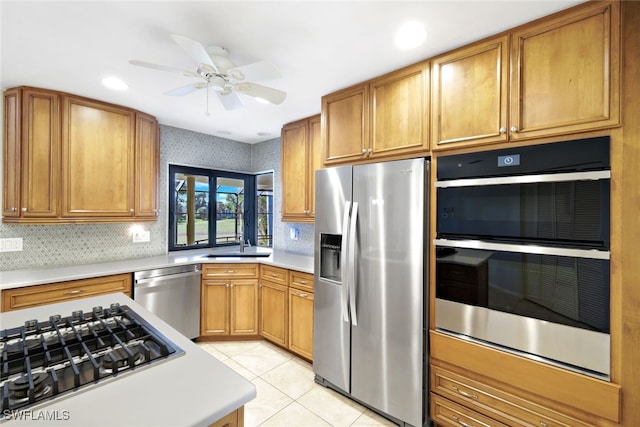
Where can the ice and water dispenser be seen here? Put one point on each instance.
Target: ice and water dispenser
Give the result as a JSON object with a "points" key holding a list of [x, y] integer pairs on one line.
{"points": [[330, 252]]}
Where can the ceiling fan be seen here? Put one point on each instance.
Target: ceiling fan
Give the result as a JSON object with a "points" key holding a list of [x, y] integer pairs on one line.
{"points": [[215, 70]]}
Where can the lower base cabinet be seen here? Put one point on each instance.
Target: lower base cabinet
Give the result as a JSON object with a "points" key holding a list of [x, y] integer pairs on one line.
{"points": [[274, 306], [301, 322], [229, 307], [234, 419], [33, 296]]}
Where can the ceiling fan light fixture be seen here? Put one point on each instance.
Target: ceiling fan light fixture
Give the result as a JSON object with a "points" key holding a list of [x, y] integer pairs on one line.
{"points": [[114, 83], [261, 100], [410, 35]]}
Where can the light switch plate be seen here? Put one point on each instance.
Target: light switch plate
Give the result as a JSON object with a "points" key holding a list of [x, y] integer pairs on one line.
{"points": [[293, 233]]}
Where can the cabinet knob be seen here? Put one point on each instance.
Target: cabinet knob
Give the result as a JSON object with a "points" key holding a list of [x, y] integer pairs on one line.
{"points": [[502, 130], [131, 210], [226, 285], [370, 150], [364, 151], [24, 209], [12, 209], [514, 129]]}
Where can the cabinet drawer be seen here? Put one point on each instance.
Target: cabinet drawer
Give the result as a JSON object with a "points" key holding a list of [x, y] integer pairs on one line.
{"points": [[32, 296], [274, 274], [213, 271], [302, 281], [447, 413], [495, 403]]}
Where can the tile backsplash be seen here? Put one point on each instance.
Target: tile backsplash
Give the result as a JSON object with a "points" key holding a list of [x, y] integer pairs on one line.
{"points": [[69, 244]]}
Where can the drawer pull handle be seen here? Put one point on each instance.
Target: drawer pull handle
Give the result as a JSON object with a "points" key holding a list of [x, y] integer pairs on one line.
{"points": [[274, 275], [302, 295], [303, 282], [459, 421], [464, 393], [74, 292], [230, 271], [543, 424]]}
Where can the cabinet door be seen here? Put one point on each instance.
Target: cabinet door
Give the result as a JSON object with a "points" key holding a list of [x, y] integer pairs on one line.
{"points": [[565, 73], [40, 154], [294, 170], [12, 158], [345, 125], [214, 319], [470, 94], [301, 322], [315, 162], [244, 307], [97, 159], [274, 312], [147, 171], [400, 112]]}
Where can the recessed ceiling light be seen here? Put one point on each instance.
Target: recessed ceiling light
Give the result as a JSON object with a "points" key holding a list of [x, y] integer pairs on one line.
{"points": [[263, 134], [224, 132], [411, 34], [114, 83]]}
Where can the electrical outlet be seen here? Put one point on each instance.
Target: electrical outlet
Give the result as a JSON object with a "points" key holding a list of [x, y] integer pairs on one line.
{"points": [[293, 233], [11, 244], [141, 236]]}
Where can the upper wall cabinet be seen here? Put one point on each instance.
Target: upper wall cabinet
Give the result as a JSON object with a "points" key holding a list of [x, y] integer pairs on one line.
{"points": [[72, 159], [470, 94], [565, 74], [301, 157], [564, 79], [381, 119]]}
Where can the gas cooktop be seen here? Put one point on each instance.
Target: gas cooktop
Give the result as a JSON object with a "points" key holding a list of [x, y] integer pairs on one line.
{"points": [[44, 360]]}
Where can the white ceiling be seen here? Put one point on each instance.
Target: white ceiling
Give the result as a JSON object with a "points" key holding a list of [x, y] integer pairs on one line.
{"points": [[319, 47]]}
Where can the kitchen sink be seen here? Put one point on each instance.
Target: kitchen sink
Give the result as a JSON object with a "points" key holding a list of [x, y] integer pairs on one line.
{"points": [[239, 255]]}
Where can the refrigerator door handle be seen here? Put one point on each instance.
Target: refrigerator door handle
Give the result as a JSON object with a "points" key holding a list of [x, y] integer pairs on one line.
{"points": [[344, 276], [352, 264]]}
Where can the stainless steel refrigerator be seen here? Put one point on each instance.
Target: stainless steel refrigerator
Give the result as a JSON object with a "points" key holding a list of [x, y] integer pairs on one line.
{"points": [[369, 339]]}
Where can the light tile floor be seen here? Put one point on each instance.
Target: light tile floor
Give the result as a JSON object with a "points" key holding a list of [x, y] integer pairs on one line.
{"points": [[287, 395]]}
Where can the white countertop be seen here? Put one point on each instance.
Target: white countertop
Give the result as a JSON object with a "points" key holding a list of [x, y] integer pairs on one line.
{"points": [[194, 389], [19, 278]]}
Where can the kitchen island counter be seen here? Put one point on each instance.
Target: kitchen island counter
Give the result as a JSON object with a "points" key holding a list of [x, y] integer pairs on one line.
{"points": [[28, 277], [193, 389]]}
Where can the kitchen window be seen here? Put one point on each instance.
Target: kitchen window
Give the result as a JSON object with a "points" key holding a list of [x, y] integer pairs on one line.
{"points": [[210, 208]]}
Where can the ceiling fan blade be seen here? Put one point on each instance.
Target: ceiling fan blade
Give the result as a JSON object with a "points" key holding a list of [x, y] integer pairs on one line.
{"points": [[261, 70], [270, 94], [162, 68], [230, 101], [185, 90], [194, 49]]}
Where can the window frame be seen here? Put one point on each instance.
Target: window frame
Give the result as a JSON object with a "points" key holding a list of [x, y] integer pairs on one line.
{"points": [[249, 208]]}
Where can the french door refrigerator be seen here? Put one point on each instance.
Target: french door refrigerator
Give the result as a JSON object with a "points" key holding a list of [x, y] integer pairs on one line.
{"points": [[369, 339]]}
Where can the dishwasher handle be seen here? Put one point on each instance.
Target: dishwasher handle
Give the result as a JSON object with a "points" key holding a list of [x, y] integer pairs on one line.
{"points": [[149, 282]]}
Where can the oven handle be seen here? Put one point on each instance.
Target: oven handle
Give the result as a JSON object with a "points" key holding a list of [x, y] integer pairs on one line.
{"points": [[526, 249], [526, 179]]}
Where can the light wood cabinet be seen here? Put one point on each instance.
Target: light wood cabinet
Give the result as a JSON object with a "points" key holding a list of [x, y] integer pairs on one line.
{"points": [[72, 159], [469, 98], [31, 154], [565, 73], [97, 159], [522, 392], [384, 118], [555, 76], [33, 296], [301, 322], [147, 166], [345, 125], [230, 300], [300, 158], [234, 419], [274, 310], [446, 413]]}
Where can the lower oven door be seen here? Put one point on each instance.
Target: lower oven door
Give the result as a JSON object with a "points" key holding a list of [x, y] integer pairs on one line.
{"points": [[549, 303]]}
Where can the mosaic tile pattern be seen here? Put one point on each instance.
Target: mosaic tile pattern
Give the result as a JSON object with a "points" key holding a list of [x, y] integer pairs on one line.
{"points": [[60, 245]]}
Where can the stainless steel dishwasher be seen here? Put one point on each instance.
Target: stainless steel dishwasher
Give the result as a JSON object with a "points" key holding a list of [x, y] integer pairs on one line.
{"points": [[172, 294]]}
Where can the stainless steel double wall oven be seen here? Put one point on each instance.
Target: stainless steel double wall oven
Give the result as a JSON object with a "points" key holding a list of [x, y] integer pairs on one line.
{"points": [[522, 251]]}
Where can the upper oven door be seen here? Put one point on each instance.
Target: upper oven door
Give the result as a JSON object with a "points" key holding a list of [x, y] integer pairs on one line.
{"points": [[562, 209]]}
